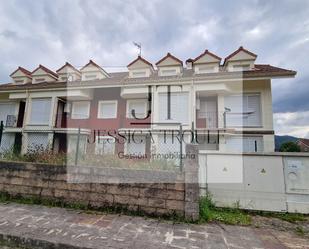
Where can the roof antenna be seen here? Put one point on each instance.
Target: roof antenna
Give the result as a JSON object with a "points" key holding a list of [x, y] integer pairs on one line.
{"points": [[139, 46]]}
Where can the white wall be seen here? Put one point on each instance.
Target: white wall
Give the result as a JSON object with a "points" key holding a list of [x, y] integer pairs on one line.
{"points": [[270, 182]]}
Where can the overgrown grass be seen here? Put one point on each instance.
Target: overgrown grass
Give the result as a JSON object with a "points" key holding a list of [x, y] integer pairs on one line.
{"points": [[37, 154], [231, 216]]}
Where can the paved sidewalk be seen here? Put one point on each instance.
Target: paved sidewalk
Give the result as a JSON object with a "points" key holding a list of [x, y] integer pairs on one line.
{"points": [[43, 227]]}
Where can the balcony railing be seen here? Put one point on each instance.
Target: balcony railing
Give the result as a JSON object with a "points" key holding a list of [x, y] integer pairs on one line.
{"points": [[212, 120]]}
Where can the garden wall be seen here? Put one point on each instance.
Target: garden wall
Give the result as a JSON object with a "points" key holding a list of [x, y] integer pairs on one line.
{"points": [[156, 198]]}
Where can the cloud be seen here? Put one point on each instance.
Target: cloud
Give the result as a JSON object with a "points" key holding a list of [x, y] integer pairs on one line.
{"points": [[292, 123], [50, 33]]}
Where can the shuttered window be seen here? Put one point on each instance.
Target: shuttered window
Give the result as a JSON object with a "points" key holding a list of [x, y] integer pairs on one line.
{"points": [[244, 110], [81, 110], [179, 111], [139, 106], [40, 111], [5, 110], [107, 109]]}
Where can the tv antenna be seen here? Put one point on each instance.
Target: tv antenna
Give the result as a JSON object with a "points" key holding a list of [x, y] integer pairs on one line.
{"points": [[139, 46]]}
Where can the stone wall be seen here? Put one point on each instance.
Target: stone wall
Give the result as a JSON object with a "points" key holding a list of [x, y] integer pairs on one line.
{"points": [[50, 182]]}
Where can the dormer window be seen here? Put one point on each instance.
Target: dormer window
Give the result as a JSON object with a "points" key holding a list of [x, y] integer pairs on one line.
{"points": [[169, 65], [39, 80], [92, 71], [138, 74], [90, 76], [43, 74], [68, 73], [238, 68], [21, 76], [140, 68], [240, 60], [168, 72], [206, 62]]}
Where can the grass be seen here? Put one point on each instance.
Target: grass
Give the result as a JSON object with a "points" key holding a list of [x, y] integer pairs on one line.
{"points": [[231, 216]]}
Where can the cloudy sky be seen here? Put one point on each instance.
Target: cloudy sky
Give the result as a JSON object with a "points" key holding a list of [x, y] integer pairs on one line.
{"points": [[52, 32]]}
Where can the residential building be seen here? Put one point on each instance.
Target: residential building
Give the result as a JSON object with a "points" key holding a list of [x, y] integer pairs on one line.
{"points": [[303, 143], [226, 106]]}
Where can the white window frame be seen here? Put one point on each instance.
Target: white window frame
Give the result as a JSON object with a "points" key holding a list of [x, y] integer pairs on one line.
{"points": [[130, 101], [100, 116], [104, 138], [30, 122], [168, 71], [74, 116]]}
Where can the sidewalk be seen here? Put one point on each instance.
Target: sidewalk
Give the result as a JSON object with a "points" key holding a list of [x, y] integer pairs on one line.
{"points": [[43, 227]]}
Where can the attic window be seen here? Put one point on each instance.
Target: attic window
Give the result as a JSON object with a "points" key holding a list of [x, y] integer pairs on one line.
{"points": [[169, 72], [40, 80], [139, 74], [90, 76], [206, 69], [245, 67], [19, 81], [64, 78]]}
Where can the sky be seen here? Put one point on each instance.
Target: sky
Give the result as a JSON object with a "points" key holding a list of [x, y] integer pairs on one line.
{"points": [[53, 32]]}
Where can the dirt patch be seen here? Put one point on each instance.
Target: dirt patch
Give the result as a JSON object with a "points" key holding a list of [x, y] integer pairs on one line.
{"points": [[300, 228]]}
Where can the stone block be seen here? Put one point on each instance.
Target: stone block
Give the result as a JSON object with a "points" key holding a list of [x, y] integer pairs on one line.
{"points": [[157, 203], [175, 205]]}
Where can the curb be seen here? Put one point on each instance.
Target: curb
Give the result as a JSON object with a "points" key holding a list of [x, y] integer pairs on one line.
{"points": [[31, 243]]}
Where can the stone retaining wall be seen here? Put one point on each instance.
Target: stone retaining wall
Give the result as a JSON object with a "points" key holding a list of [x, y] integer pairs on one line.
{"points": [[50, 182]]}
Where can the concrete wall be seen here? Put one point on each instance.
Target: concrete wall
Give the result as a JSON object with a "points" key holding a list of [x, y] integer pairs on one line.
{"points": [[166, 194], [270, 182]]}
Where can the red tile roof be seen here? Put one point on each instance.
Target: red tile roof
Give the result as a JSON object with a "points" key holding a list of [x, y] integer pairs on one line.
{"points": [[25, 71], [236, 52], [45, 69], [142, 59], [168, 55], [91, 62], [304, 141], [266, 68], [67, 64], [209, 53]]}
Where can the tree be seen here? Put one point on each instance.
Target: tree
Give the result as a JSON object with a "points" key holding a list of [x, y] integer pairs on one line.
{"points": [[289, 147]]}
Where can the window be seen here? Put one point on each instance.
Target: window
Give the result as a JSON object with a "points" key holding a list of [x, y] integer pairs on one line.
{"points": [[90, 76], [241, 67], [179, 111], [169, 72], [140, 107], [136, 146], [19, 81], [206, 69], [40, 111], [245, 110], [104, 145], [7, 109], [39, 80], [80, 110], [107, 109], [139, 74]]}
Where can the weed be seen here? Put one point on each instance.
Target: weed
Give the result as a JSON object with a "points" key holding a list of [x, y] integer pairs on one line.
{"points": [[232, 216]]}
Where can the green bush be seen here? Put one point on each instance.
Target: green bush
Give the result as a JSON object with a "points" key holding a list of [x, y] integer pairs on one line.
{"points": [[289, 147]]}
